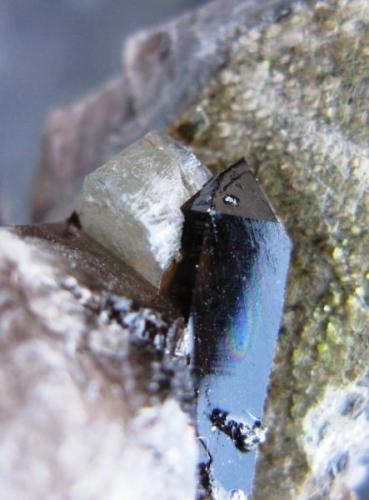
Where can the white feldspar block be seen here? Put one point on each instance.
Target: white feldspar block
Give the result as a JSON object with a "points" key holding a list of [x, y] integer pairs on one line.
{"points": [[131, 205]]}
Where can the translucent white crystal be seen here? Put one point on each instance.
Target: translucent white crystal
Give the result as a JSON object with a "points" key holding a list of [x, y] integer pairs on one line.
{"points": [[131, 205]]}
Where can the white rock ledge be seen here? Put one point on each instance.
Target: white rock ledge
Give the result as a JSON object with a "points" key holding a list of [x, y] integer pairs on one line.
{"points": [[67, 431]]}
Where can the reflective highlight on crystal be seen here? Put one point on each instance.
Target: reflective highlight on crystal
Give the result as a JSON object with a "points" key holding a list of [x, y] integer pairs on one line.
{"points": [[235, 264], [244, 323]]}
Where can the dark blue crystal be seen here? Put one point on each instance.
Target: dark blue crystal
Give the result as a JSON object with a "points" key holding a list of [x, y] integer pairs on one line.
{"points": [[232, 282]]}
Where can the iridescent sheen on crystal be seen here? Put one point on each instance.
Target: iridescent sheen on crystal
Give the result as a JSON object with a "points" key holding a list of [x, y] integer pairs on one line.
{"points": [[232, 280]]}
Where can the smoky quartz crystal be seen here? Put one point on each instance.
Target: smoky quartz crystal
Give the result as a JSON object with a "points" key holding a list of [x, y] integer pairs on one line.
{"points": [[231, 286]]}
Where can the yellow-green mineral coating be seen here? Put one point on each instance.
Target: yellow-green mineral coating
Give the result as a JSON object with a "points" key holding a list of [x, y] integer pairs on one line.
{"points": [[294, 100]]}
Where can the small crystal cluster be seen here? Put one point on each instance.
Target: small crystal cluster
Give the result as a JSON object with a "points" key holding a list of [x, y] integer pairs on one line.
{"points": [[246, 436], [147, 324]]}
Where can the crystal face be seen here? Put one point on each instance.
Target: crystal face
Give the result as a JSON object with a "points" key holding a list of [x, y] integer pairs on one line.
{"points": [[232, 282], [132, 204]]}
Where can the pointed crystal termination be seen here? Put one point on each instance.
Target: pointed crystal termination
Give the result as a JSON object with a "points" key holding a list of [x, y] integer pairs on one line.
{"points": [[232, 282]]}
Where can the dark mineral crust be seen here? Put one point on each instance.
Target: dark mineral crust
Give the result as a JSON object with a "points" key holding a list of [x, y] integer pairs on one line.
{"points": [[236, 256], [117, 294]]}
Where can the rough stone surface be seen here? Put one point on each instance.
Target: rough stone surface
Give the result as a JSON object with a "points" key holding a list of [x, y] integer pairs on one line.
{"points": [[336, 442], [293, 102], [132, 204], [164, 69], [71, 148], [89, 408]]}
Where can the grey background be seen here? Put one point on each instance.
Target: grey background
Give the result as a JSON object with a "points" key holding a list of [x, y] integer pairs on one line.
{"points": [[52, 52]]}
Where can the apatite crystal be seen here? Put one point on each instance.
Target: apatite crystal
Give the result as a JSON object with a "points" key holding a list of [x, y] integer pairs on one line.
{"points": [[231, 284], [132, 204]]}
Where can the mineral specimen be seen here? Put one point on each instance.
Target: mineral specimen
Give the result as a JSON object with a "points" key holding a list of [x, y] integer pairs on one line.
{"points": [[236, 256], [245, 435], [291, 97], [132, 204]]}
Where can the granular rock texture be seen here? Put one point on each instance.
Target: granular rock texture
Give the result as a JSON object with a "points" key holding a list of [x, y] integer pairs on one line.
{"points": [[336, 442], [293, 102], [90, 406]]}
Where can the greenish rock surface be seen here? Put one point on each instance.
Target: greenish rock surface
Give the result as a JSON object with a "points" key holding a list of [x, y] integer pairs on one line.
{"points": [[293, 101]]}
